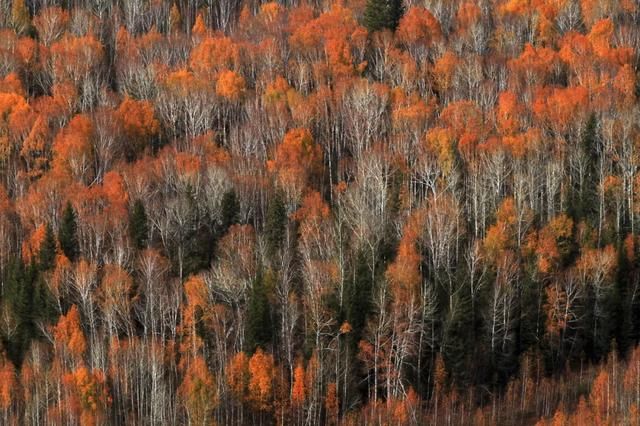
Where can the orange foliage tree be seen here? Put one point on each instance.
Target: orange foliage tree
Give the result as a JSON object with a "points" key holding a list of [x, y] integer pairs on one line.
{"points": [[261, 377], [138, 124], [296, 160], [198, 392]]}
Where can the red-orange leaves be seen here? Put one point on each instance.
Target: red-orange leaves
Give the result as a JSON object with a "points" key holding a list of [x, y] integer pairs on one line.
{"points": [[13, 111], [463, 117], [313, 210], [465, 120], [230, 85], [75, 58], [50, 24], [501, 236], [468, 14], [213, 55], [276, 92], [196, 300], [198, 392], [298, 391], [624, 84], [138, 123], [199, 28], [335, 34], [11, 83], [600, 35], [598, 265], [602, 398], [238, 376], [508, 113], [338, 22], [31, 246], [340, 59], [261, 376], [36, 147], [68, 334], [563, 109], [8, 384], [89, 394], [441, 143], [444, 70], [553, 242], [419, 28], [296, 160], [331, 404], [534, 66], [72, 147], [404, 273]]}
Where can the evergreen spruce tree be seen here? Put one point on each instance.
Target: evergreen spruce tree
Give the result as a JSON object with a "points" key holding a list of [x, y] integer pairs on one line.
{"points": [[396, 11], [15, 294], [628, 327], [16, 303], [275, 225], [44, 305], [47, 253], [458, 338], [357, 297], [138, 228], [583, 203], [68, 233], [27, 299], [19, 297], [258, 332], [383, 14], [230, 208]]}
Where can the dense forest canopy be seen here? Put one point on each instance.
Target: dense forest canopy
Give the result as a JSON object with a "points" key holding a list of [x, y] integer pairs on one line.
{"points": [[319, 212]]}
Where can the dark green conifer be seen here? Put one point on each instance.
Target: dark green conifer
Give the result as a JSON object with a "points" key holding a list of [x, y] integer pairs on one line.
{"points": [[68, 233], [275, 225], [357, 297], [259, 330], [230, 209], [383, 14], [138, 227], [47, 253]]}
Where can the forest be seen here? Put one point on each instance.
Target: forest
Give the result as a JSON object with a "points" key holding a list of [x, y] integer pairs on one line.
{"points": [[319, 212]]}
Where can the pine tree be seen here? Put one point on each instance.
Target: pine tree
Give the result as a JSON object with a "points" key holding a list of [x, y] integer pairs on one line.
{"points": [[458, 337], [383, 14], [275, 225], [229, 215], [230, 209], [16, 302], [43, 303], [68, 233], [357, 298], [47, 253], [28, 300], [583, 203], [258, 332], [138, 228]]}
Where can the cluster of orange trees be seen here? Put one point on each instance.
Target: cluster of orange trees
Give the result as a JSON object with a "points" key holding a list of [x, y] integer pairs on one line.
{"points": [[310, 212]]}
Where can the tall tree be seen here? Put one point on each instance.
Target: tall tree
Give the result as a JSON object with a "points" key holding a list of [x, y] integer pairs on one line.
{"points": [[383, 14], [138, 227], [259, 330], [275, 225], [47, 253], [68, 233], [230, 210], [583, 203]]}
